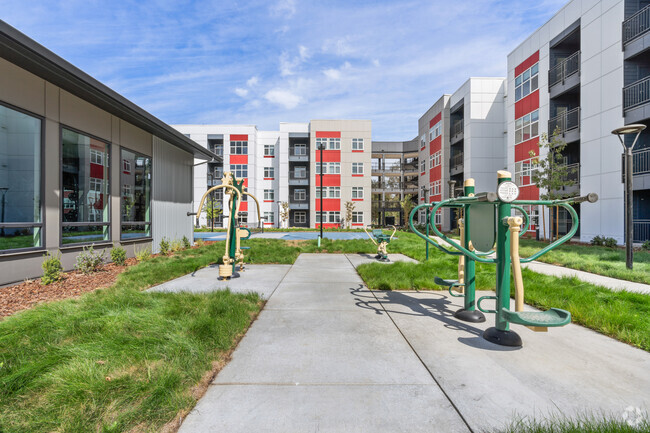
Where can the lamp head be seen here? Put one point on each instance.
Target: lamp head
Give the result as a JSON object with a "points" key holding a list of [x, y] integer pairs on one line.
{"points": [[634, 128]]}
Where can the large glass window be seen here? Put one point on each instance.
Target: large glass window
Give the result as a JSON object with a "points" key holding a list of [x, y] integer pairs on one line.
{"points": [[85, 194], [136, 196], [239, 147], [526, 82], [527, 127], [239, 171], [20, 180]]}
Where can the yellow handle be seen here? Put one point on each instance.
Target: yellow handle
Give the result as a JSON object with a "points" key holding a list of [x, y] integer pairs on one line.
{"points": [[515, 227]]}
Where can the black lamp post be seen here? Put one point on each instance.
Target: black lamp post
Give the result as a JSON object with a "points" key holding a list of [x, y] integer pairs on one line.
{"points": [[3, 190], [320, 147], [629, 192]]}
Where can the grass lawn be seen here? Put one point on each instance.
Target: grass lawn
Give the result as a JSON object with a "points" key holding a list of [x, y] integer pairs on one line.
{"points": [[15, 242], [609, 262], [117, 359], [585, 424]]}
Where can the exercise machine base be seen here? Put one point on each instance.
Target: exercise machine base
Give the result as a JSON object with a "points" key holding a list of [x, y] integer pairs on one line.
{"points": [[234, 275], [473, 316], [502, 338]]}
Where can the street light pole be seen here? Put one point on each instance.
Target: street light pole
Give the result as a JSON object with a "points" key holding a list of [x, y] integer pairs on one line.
{"points": [[629, 190], [321, 189]]}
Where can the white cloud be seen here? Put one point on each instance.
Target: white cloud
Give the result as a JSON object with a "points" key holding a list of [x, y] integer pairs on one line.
{"points": [[283, 98], [332, 74], [340, 47], [284, 8], [252, 81], [241, 92], [304, 52]]}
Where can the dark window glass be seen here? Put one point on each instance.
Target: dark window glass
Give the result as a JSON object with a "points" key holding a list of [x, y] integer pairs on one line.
{"points": [[20, 179], [136, 196], [85, 195]]}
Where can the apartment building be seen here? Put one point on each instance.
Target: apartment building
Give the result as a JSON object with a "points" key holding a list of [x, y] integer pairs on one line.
{"points": [[395, 175], [584, 73], [284, 166], [81, 165]]}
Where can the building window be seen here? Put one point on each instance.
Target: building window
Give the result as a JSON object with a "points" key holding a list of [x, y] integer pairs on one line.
{"points": [[436, 187], [328, 217], [329, 168], [329, 192], [20, 180], [300, 149], [239, 171], [300, 172], [269, 173], [357, 144], [269, 150], [526, 82], [321, 143], [242, 218], [438, 218], [126, 165], [357, 192], [527, 127], [239, 147], [533, 215], [299, 194], [423, 140], [334, 144], [269, 217], [300, 217], [437, 157], [435, 131], [357, 217], [85, 195], [97, 157], [136, 197], [269, 194], [524, 172], [423, 165], [357, 168], [430, 161]]}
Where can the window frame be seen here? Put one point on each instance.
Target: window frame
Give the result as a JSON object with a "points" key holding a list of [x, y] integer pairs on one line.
{"points": [[269, 193], [304, 194], [528, 80], [109, 198], [270, 147], [334, 143], [358, 142], [269, 170], [357, 168], [357, 217], [302, 146], [436, 187], [150, 222], [303, 219], [239, 147], [41, 225], [358, 192], [523, 125], [265, 217], [234, 171]]}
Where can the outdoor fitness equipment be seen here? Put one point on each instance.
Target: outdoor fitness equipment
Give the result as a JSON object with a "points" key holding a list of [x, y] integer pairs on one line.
{"points": [[235, 189], [382, 240], [491, 221]]}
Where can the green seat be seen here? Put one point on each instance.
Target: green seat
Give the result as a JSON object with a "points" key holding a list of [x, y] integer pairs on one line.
{"points": [[377, 232], [244, 248], [449, 283], [550, 318]]}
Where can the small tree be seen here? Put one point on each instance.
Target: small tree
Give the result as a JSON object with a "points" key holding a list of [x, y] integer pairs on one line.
{"points": [[212, 209], [349, 208], [407, 206], [551, 173], [284, 213]]}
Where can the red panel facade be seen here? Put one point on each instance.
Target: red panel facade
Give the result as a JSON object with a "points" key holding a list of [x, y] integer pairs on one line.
{"points": [[527, 104], [435, 119], [329, 204], [329, 180], [329, 156], [435, 173], [239, 159], [328, 134], [436, 145], [240, 137], [527, 63], [530, 192], [243, 207], [522, 150]]}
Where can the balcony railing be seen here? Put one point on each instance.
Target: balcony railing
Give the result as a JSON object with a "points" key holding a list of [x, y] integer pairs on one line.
{"points": [[298, 175], [564, 69], [640, 163], [458, 128], [566, 121], [410, 167], [573, 174], [636, 25], [457, 160], [389, 186], [637, 93], [641, 230], [387, 205]]}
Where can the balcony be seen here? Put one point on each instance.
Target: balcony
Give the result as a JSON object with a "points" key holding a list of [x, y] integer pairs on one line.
{"points": [[387, 186], [456, 163], [411, 167], [566, 123], [636, 97], [298, 177], [457, 131], [298, 156], [298, 205], [641, 229], [635, 27], [640, 169], [565, 75], [573, 175], [387, 206], [410, 187]]}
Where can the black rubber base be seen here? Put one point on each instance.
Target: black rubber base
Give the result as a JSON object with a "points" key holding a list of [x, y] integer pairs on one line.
{"points": [[383, 259], [503, 338], [473, 316], [235, 275], [378, 256]]}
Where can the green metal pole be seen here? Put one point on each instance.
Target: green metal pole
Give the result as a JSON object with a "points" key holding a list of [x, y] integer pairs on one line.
{"points": [[427, 243], [470, 264]]}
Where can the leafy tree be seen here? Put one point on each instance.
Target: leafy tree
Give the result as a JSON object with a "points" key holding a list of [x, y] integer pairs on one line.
{"points": [[407, 206], [284, 213], [349, 208], [550, 172], [212, 209]]}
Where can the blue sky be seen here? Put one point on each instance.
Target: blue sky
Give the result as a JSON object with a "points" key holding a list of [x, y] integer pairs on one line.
{"points": [[257, 62]]}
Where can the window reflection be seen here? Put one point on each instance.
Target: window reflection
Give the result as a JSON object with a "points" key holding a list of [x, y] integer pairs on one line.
{"points": [[136, 195]]}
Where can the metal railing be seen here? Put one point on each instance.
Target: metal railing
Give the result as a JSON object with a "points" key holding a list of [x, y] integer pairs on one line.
{"points": [[640, 163], [387, 205], [637, 93], [564, 69], [641, 230], [457, 160], [566, 121], [573, 174], [390, 186], [410, 167], [637, 25], [298, 174], [458, 128]]}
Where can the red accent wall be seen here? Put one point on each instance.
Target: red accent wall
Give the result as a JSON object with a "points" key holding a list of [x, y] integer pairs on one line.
{"points": [[530, 192], [328, 226], [435, 119], [329, 180], [437, 197], [328, 134], [436, 145], [329, 204], [240, 137], [239, 159], [329, 156], [243, 207], [435, 173], [527, 104], [96, 171], [527, 63], [522, 149]]}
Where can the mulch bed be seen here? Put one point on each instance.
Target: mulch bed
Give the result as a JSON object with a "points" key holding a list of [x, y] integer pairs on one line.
{"points": [[31, 292]]}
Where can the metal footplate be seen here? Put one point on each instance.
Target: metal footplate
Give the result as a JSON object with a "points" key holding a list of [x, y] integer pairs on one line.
{"points": [[538, 320], [452, 284]]}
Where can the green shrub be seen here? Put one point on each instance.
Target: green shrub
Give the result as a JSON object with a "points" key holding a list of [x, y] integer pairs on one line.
{"points": [[187, 244], [199, 242], [610, 242], [89, 261], [164, 246], [597, 241], [142, 254], [176, 246], [52, 268], [118, 255], [646, 245]]}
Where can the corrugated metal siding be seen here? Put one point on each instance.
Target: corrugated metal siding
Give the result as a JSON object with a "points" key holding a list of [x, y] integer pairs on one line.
{"points": [[172, 193]]}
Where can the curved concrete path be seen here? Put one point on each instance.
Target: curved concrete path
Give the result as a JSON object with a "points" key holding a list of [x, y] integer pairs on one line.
{"points": [[328, 355]]}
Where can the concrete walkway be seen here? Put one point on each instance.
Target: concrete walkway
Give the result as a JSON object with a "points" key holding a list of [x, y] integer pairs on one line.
{"points": [[328, 355], [588, 277]]}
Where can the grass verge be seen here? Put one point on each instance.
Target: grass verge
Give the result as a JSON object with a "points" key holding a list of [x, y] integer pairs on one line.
{"points": [[585, 424], [117, 359]]}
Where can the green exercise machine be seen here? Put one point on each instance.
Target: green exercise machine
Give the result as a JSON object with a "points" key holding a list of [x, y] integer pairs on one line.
{"points": [[379, 238], [233, 255], [487, 221]]}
